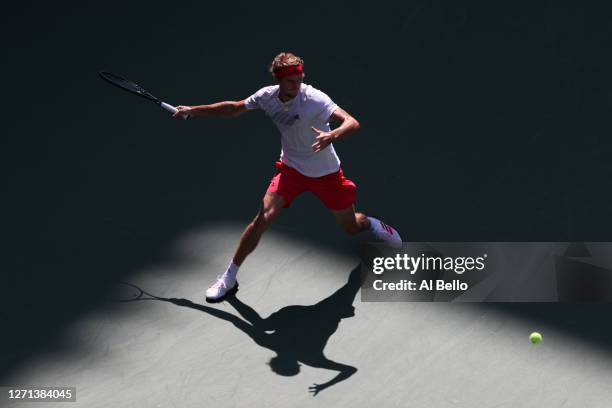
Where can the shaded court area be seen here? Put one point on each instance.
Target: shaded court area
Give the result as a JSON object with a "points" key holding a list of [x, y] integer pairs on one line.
{"points": [[480, 122]]}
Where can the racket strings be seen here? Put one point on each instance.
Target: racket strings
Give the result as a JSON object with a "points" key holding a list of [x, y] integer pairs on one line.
{"points": [[126, 84]]}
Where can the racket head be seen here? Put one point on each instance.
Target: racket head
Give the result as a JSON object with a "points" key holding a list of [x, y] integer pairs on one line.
{"points": [[128, 292], [127, 85]]}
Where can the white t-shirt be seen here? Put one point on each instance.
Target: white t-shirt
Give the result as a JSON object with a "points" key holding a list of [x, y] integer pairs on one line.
{"points": [[310, 107]]}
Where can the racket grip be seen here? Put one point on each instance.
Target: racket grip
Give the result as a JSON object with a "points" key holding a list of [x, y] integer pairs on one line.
{"points": [[172, 109]]}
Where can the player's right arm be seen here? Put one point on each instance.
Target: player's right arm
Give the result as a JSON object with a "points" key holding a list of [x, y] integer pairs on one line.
{"points": [[226, 109]]}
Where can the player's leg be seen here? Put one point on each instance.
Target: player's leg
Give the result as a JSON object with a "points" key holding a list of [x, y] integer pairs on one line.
{"points": [[285, 185], [271, 206], [339, 195], [353, 222], [350, 221]]}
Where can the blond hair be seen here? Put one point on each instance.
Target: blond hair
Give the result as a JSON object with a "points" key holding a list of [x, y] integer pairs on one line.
{"points": [[285, 59]]}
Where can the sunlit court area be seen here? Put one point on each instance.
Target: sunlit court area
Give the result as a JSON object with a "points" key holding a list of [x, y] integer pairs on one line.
{"points": [[334, 204]]}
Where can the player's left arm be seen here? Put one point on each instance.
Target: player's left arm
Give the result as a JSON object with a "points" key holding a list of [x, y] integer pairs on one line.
{"points": [[348, 125]]}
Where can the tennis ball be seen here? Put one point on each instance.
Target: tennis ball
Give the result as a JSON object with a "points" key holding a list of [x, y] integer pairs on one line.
{"points": [[535, 337]]}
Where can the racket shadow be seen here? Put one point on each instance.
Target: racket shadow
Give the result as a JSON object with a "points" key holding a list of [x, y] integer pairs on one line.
{"points": [[296, 333]]}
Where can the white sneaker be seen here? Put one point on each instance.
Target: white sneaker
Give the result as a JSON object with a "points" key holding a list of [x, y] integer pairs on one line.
{"points": [[220, 288], [385, 233]]}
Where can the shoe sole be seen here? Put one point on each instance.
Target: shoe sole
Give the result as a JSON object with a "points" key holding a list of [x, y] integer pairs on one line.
{"points": [[230, 292]]}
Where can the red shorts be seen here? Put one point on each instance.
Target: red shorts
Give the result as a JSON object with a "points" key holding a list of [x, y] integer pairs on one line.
{"points": [[334, 190]]}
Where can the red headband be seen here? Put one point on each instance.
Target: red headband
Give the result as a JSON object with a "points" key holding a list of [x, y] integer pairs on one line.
{"points": [[288, 71]]}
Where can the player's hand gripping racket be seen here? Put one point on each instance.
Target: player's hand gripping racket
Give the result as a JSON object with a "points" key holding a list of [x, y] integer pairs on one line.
{"points": [[136, 89]]}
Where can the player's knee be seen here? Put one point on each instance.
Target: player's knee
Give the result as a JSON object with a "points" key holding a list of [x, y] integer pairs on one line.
{"points": [[270, 215], [266, 217]]}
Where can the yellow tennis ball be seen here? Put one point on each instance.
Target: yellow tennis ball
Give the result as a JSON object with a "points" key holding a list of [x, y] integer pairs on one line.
{"points": [[535, 337]]}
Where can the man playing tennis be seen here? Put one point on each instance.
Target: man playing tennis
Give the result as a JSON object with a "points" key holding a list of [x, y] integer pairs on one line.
{"points": [[308, 161]]}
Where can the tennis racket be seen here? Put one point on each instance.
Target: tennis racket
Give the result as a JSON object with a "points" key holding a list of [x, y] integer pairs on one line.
{"points": [[128, 292], [136, 89]]}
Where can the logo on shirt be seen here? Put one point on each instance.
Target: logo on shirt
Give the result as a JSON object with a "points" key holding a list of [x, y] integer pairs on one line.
{"points": [[284, 118]]}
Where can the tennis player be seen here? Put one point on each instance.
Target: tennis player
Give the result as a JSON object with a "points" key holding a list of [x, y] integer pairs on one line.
{"points": [[308, 161]]}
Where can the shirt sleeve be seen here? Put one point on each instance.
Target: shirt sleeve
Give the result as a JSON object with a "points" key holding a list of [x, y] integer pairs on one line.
{"points": [[323, 106], [252, 102]]}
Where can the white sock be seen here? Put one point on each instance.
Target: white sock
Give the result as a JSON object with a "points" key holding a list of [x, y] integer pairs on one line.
{"points": [[230, 275]]}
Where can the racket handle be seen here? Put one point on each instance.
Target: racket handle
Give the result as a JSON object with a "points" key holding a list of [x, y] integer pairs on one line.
{"points": [[172, 109]]}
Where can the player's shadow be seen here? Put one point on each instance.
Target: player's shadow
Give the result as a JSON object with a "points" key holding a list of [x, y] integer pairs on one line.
{"points": [[297, 334]]}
